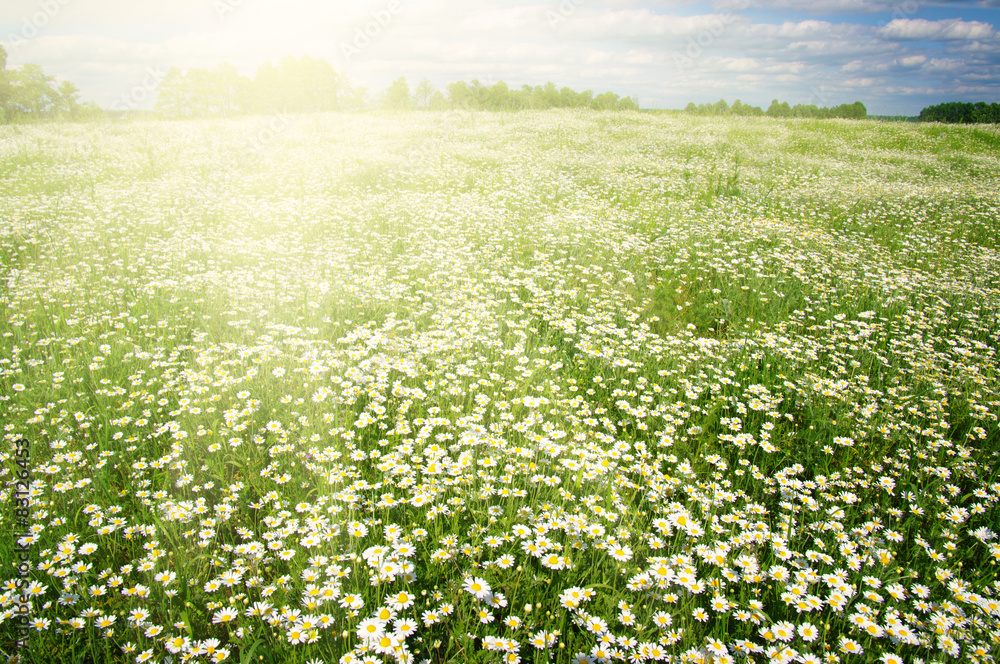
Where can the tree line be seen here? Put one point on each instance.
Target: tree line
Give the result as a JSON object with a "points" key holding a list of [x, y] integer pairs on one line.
{"points": [[28, 92], [500, 97], [961, 112], [295, 85], [855, 111], [302, 85]]}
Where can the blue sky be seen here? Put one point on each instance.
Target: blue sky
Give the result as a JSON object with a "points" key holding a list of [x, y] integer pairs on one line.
{"points": [[895, 56]]}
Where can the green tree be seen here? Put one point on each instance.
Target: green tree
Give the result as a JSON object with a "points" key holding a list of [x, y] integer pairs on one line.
{"points": [[199, 84], [628, 104], [397, 96], [228, 91], [984, 112], [855, 111], [548, 95], [301, 85], [5, 91], [961, 112], [459, 95], [423, 92], [69, 99], [478, 93], [498, 97], [806, 111], [739, 108], [32, 91], [606, 101], [779, 109], [172, 94], [355, 98], [567, 98], [437, 101]]}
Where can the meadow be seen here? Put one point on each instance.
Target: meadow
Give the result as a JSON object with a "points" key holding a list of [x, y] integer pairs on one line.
{"points": [[559, 386]]}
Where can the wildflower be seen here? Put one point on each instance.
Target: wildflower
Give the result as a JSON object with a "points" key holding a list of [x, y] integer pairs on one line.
{"points": [[477, 586], [850, 646], [663, 620], [621, 553], [259, 609], [352, 602], [224, 616], [209, 646], [404, 628], [138, 616], [716, 648], [596, 625], [572, 598], [400, 601], [783, 631], [177, 644], [385, 644], [370, 629], [385, 614]]}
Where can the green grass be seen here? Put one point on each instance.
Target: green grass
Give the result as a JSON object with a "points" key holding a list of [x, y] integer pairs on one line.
{"points": [[715, 352]]}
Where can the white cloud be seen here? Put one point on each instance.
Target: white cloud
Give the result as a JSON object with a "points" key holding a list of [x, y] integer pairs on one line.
{"points": [[817, 7], [943, 30], [912, 60], [942, 65], [740, 64], [643, 23], [630, 47], [793, 30]]}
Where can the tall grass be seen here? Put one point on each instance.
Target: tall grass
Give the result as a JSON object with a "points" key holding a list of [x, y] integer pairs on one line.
{"points": [[417, 389]]}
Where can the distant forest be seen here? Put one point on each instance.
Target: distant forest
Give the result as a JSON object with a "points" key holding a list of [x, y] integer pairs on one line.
{"points": [[953, 112], [961, 112], [301, 85], [855, 111], [295, 85], [27, 92]]}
